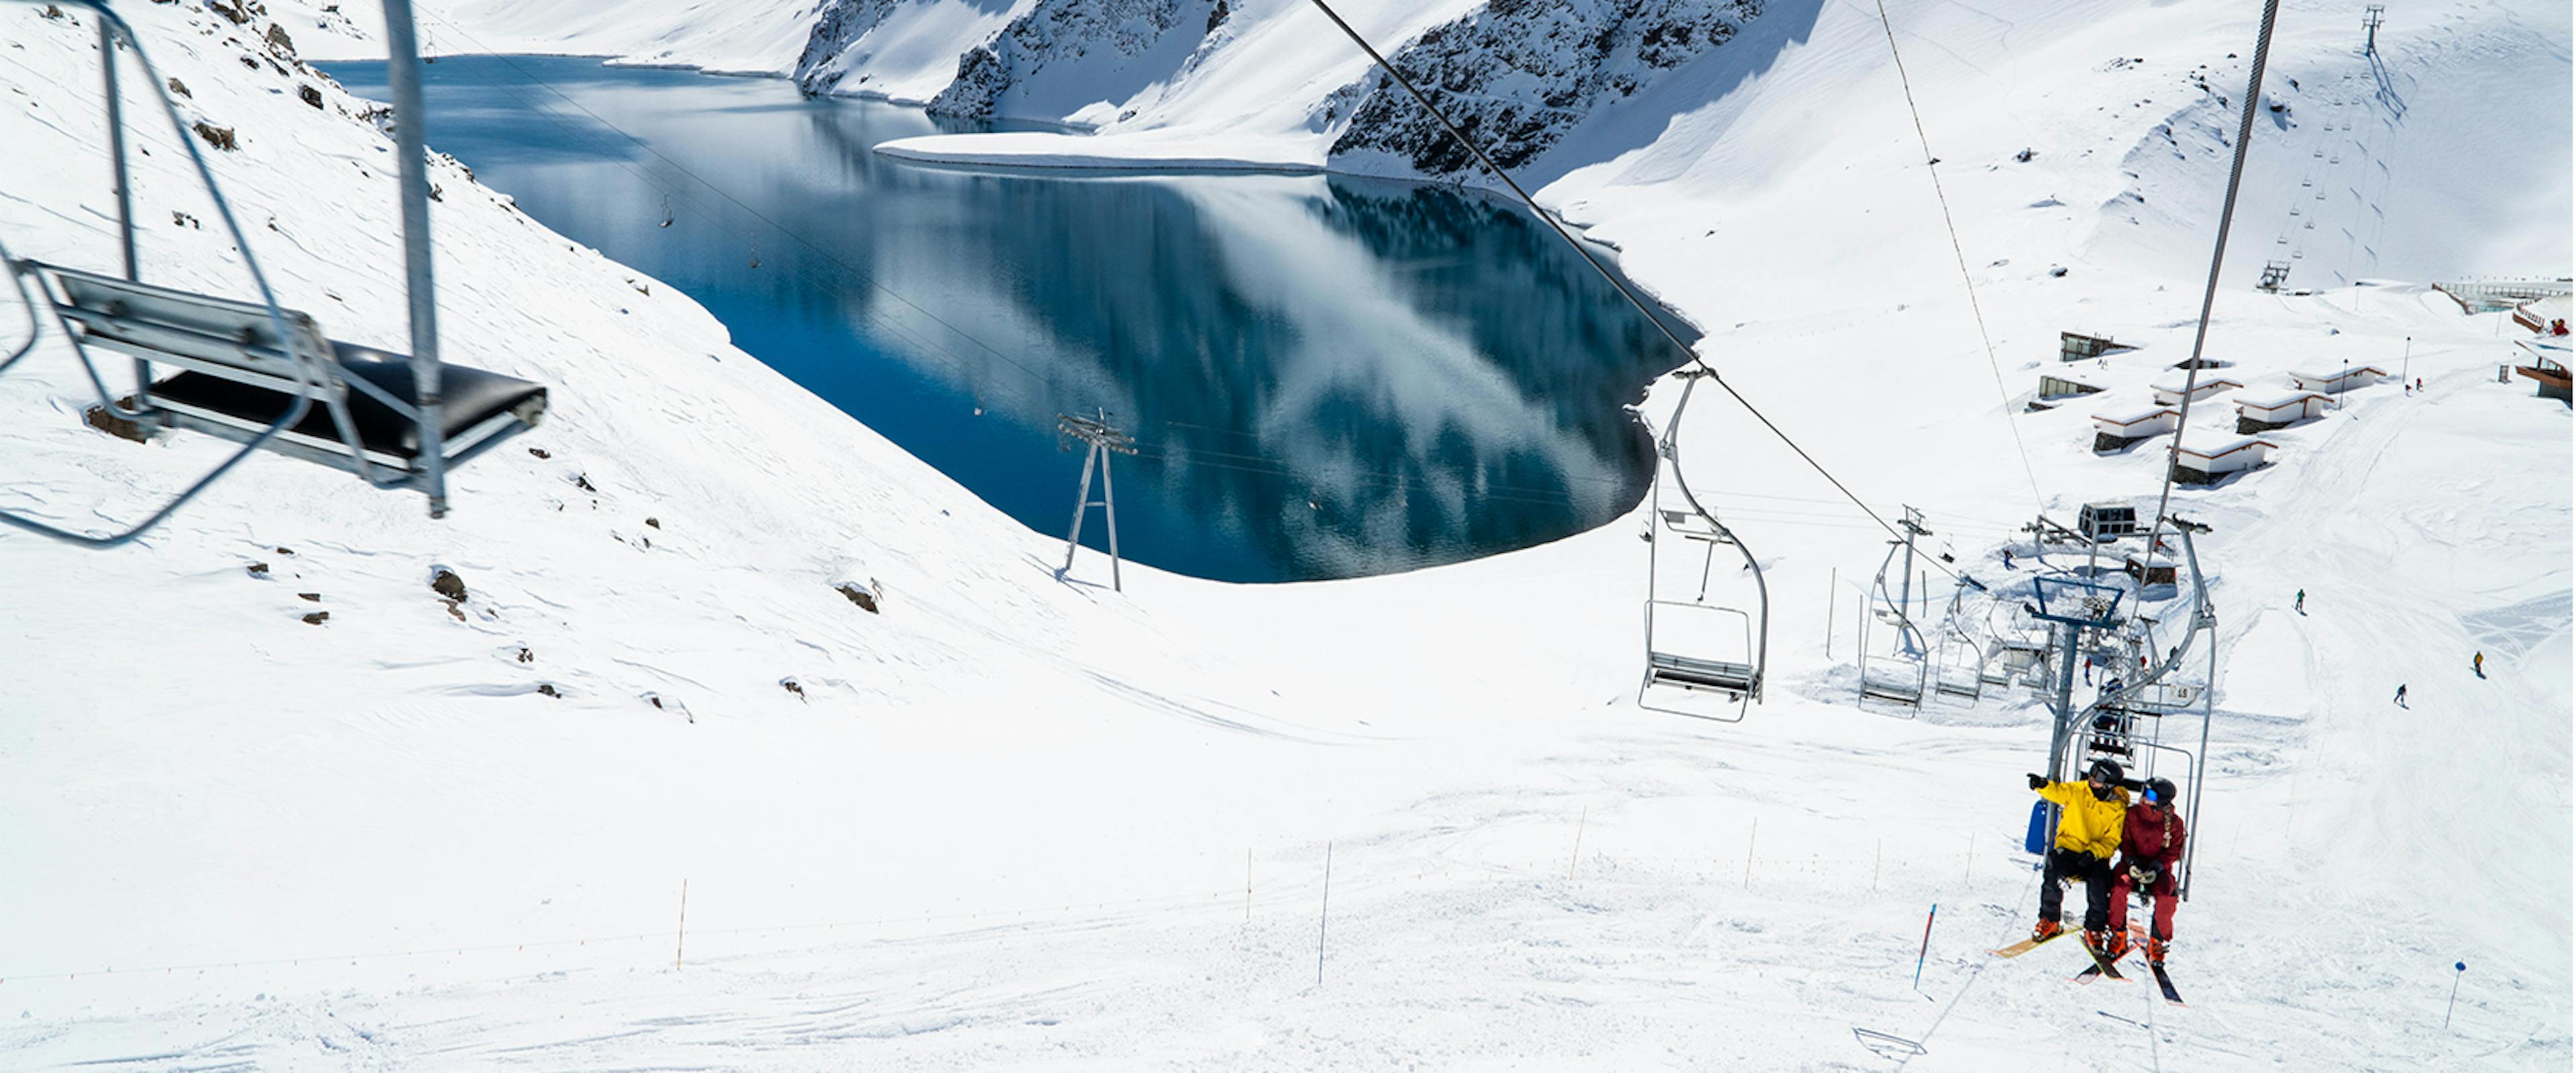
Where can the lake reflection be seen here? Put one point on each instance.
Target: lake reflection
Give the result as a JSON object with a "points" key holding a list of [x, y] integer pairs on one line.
{"points": [[1325, 377]]}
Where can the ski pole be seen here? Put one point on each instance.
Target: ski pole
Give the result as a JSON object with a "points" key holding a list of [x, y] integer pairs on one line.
{"points": [[1927, 949], [2458, 969]]}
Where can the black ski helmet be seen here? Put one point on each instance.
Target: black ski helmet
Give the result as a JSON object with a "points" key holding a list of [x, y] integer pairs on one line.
{"points": [[2108, 769], [2163, 789]]}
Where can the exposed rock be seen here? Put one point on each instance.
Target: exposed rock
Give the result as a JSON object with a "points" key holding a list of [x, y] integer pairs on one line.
{"points": [[548, 689], [180, 88], [539, 452], [317, 618], [309, 597], [277, 39], [863, 595], [258, 570], [837, 26], [654, 522], [444, 582], [107, 421], [1066, 31], [790, 685], [1516, 75], [219, 137], [309, 95], [582, 481]]}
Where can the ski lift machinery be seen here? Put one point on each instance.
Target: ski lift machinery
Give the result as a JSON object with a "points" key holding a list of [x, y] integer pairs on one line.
{"points": [[252, 371], [1694, 651], [2126, 722]]}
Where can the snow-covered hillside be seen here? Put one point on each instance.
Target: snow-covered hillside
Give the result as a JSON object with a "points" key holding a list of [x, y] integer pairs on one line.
{"points": [[1010, 821]]}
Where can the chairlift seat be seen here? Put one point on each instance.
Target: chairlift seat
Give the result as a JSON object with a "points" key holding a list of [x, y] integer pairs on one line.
{"points": [[475, 406], [238, 376], [1688, 673]]}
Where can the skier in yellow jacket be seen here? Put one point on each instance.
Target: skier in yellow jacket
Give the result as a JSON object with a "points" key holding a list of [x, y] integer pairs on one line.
{"points": [[2089, 820]]}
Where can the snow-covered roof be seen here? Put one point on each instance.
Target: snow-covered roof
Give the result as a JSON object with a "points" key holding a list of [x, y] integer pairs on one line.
{"points": [[2212, 383], [2134, 417], [2276, 402], [2223, 449], [2337, 372]]}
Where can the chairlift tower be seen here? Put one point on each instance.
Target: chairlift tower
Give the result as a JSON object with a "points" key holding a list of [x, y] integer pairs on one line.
{"points": [[2371, 17], [1102, 439], [1913, 526]]}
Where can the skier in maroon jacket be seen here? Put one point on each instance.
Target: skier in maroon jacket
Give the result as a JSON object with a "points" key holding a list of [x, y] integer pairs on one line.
{"points": [[2151, 858]]}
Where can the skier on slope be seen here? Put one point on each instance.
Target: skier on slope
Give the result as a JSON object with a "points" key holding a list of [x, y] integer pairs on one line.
{"points": [[2089, 817], [2150, 860]]}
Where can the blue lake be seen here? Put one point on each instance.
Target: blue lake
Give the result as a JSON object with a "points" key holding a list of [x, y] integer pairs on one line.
{"points": [[1324, 377]]}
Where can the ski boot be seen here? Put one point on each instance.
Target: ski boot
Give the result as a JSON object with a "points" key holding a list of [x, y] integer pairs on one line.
{"points": [[2098, 941], [2155, 951], [2115, 945], [2046, 929]]}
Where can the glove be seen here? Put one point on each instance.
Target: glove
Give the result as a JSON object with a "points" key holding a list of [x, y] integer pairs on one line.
{"points": [[2038, 783], [2143, 875]]}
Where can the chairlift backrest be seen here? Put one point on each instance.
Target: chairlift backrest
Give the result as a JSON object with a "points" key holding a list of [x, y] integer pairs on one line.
{"points": [[182, 328]]}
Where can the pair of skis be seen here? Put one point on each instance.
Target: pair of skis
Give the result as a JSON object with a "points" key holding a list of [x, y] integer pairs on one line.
{"points": [[2099, 967]]}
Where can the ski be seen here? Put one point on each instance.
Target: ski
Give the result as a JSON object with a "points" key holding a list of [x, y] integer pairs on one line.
{"points": [[2165, 983], [2026, 946], [2098, 968]]}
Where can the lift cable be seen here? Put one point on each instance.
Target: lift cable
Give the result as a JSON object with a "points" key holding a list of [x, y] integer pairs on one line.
{"points": [[2217, 257], [1622, 287], [1932, 167]]}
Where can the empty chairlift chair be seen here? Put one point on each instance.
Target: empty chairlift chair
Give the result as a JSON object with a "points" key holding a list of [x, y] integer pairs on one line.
{"points": [[1694, 645], [254, 372]]}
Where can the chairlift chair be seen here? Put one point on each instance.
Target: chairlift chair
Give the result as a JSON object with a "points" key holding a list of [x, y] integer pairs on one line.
{"points": [[1694, 652], [252, 372]]}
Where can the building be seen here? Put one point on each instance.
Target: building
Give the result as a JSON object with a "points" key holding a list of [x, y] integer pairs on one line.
{"points": [[2151, 570], [2548, 366], [2169, 392], [2076, 346], [2119, 431], [2547, 316], [2213, 463], [2054, 388], [2280, 411], [2337, 380]]}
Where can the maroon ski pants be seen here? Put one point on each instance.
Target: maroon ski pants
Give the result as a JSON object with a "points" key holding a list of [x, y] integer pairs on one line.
{"points": [[2161, 892]]}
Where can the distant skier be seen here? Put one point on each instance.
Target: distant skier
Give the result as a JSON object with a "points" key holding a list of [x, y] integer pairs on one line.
{"points": [[2478, 663], [2401, 694], [2008, 559], [2301, 606], [2089, 820], [2151, 861]]}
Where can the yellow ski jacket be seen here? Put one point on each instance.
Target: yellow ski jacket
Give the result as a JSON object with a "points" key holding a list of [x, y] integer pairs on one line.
{"points": [[2085, 823]]}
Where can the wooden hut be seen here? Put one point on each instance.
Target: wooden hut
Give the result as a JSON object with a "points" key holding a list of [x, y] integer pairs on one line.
{"points": [[2151, 570], [2169, 392], [2549, 368], [2337, 380], [2212, 463], [2279, 411], [2119, 431]]}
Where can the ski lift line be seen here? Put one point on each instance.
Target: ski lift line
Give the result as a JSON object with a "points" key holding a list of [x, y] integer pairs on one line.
{"points": [[1932, 168], [1691, 356], [2217, 258]]}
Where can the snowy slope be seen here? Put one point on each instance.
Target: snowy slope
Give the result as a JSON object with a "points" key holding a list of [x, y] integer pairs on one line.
{"points": [[1013, 822]]}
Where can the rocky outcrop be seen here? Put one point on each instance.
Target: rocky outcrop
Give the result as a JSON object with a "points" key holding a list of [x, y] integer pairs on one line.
{"points": [[838, 25], [1516, 75], [1062, 33]]}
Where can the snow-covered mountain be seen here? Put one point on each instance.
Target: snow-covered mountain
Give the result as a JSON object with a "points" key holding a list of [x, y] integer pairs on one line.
{"points": [[1003, 821], [1516, 75]]}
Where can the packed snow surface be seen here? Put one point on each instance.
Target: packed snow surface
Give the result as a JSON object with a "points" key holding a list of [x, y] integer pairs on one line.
{"points": [[1011, 820]]}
